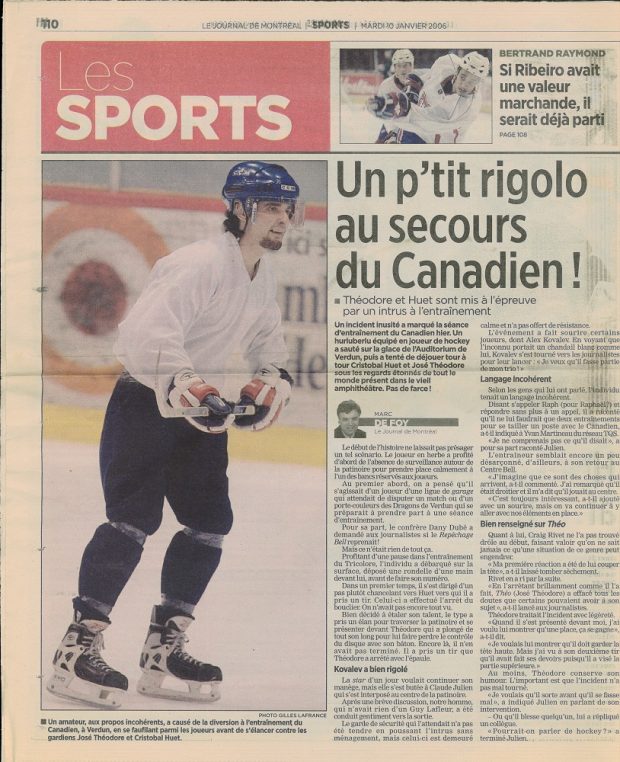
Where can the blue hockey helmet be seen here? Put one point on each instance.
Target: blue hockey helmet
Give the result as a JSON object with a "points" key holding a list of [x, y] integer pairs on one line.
{"points": [[252, 181]]}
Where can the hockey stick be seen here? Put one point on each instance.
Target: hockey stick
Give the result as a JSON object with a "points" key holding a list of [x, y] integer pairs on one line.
{"points": [[167, 411], [194, 412]]}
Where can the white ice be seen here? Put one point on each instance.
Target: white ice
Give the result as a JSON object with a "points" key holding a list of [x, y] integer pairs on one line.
{"points": [[357, 125], [262, 619]]}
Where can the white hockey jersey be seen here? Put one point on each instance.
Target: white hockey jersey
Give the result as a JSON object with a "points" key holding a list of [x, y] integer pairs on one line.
{"points": [[442, 116], [200, 310], [389, 85]]}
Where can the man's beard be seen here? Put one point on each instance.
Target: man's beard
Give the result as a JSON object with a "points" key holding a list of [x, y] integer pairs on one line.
{"points": [[271, 244]]}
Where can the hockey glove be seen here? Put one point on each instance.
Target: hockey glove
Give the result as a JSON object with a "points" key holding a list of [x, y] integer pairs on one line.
{"points": [[269, 391], [189, 390], [375, 104], [413, 87], [392, 106]]}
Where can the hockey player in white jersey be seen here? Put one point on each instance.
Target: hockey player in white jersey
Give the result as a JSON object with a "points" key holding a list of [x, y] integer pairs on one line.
{"points": [[448, 103], [391, 96], [203, 304], [403, 63]]}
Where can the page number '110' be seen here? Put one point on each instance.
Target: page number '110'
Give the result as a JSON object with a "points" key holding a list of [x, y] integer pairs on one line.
{"points": [[47, 23]]}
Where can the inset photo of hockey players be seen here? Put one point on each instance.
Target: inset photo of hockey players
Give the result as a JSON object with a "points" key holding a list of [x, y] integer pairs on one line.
{"points": [[406, 95], [184, 435]]}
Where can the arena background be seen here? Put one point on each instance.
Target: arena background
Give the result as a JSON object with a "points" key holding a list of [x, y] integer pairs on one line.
{"points": [[363, 69], [104, 225]]}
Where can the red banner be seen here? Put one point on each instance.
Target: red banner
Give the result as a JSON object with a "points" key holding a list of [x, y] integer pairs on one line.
{"points": [[184, 96]]}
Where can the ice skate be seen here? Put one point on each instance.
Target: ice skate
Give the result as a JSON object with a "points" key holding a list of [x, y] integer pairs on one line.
{"points": [[80, 673], [164, 659]]}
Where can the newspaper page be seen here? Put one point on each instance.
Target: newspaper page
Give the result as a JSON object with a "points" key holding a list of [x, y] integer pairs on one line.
{"points": [[237, 235]]}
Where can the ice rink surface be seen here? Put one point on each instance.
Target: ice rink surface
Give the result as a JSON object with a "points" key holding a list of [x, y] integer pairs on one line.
{"points": [[262, 619], [358, 125]]}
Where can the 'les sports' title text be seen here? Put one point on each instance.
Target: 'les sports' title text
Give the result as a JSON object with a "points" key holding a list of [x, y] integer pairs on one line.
{"points": [[121, 96]]}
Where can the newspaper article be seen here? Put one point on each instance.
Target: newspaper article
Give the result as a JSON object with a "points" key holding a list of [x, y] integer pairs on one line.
{"points": [[237, 235]]}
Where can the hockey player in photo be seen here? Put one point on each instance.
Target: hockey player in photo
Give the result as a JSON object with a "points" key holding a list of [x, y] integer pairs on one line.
{"points": [[447, 104], [391, 96], [165, 436]]}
